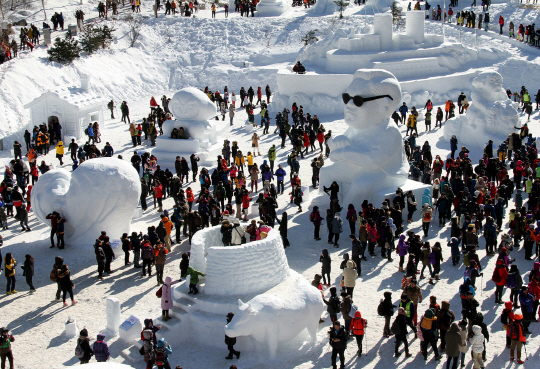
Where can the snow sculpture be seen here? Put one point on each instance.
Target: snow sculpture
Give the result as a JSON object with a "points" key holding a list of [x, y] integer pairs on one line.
{"points": [[71, 327], [101, 195], [491, 115], [112, 310], [192, 110], [279, 314], [369, 156], [229, 269], [272, 8]]}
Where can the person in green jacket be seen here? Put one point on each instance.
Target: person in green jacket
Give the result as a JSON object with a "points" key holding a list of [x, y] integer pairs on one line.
{"points": [[193, 279], [272, 157], [5, 347]]}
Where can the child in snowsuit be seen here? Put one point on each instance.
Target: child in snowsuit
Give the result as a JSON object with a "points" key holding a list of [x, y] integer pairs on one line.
{"points": [[101, 349], [193, 279]]}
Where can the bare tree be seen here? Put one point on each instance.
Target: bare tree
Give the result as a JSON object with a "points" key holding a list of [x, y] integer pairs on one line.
{"points": [[135, 26]]}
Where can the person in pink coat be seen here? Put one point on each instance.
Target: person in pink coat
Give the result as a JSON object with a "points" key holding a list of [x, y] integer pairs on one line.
{"points": [[166, 299]]}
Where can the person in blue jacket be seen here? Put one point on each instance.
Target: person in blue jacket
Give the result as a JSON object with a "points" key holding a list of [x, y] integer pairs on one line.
{"points": [[403, 109], [526, 300], [162, 353], [280, 174], [426, 197]]}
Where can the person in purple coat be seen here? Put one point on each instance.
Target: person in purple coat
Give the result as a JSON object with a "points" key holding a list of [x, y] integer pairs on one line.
{"points": [[101, 349], [403, 249]]}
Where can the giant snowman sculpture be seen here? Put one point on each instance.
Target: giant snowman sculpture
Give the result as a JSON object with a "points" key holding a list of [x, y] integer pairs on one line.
{"points": [[193, 111], [273, 304], [368, 160], [491, 115], [100, 195]]}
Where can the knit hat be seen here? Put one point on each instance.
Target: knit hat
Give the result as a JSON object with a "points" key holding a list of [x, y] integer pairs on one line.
{"points": [[429, 313], [84, 332], [518, 317]]}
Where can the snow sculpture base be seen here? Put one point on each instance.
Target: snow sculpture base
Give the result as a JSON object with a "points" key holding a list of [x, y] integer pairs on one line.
{"points": [[133, 331], [101, 195], [112, 310]]}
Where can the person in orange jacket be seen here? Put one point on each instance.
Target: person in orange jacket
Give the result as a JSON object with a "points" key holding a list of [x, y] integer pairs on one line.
{"points": [[190, 197], [358, 328], [168, 228], [31, 156], [518, 338]]}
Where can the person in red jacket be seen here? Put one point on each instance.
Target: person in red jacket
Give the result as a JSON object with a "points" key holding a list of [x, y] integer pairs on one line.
{"points": [[499, 277], [158, 194], [153, 103], [507, 318], [259, 95], [501, 23], [518, 338], [358, 326], [306, 143]]}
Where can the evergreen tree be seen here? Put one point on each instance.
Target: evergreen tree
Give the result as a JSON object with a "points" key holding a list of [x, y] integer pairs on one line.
{"points": [[310, 37], [64, 51], [396, 15], [342, 4], [95, 37]]}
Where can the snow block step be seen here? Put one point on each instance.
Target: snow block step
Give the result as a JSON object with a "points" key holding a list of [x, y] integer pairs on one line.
{"points": [[132, 354]]}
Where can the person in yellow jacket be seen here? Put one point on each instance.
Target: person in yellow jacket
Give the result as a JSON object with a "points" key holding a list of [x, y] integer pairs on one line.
{"points": [[60, 152], [9, 272], [411, 124], [41, 142], [239, 160], [249, 158]]}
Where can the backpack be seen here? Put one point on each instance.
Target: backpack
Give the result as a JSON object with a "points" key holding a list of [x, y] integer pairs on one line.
{"points": [[496, 277], [466, 261], [427, 217], [432, 258], [395, 329], [504, 317], [467, 273], [510, 281], [86, 131], [160, 356], [312, 217], [79, 352], [380, 309], [53, 275]]}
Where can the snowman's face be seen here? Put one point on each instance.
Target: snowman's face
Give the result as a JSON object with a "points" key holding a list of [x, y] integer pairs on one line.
{"points": [[188, 109], [370, 112]]}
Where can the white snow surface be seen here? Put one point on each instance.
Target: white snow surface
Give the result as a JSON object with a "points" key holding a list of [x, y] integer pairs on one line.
{"points": [[174, 53]]}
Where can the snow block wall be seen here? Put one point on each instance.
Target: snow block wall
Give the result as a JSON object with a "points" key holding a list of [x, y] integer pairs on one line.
{"points": [[249, 268]]}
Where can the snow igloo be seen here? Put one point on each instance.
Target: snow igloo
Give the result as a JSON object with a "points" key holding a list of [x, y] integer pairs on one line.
{"points": [[255, 272]]}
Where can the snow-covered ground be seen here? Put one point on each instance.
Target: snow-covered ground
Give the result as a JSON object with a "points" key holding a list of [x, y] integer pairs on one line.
{"points": [[175, 52]]}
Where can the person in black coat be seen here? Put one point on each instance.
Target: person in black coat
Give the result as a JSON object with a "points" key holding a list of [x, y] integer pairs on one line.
{"points": [[326, 266], [100, 258], [28, 269], [332, 304], [194, 166], [109, 254], [135, 240], [401, 336], [231, 341], [144, 194], [84, 342], [338, 341], [387, 310], [126, 246], [283, 228]]}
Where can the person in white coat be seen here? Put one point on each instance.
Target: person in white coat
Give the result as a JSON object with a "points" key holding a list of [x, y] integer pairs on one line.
{"points": [[349, 277], [166, 299], [231, 112], [237, 233], [463, 333], [477, 345]]}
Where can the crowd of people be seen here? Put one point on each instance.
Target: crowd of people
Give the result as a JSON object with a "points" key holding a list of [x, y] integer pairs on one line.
{"points": [[472, 199]]}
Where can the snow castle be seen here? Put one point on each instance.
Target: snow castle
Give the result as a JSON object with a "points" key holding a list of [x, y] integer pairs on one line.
{"points": [[421, 62]]}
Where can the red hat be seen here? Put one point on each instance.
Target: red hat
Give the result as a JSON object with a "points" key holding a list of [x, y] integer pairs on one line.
{"points": [[226, 212], [518, 317], [503, 249]]}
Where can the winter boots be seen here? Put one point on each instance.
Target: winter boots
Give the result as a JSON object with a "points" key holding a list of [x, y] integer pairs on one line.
{"points": [[401, 270], [165, 317]]}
